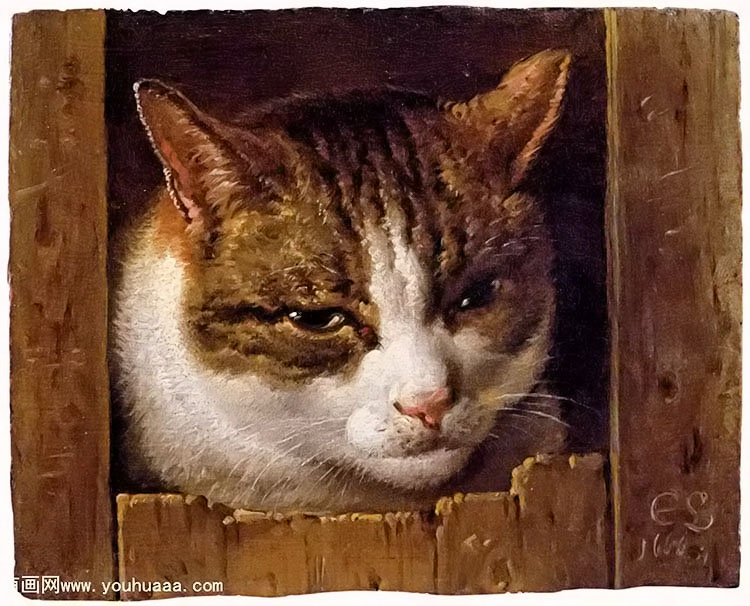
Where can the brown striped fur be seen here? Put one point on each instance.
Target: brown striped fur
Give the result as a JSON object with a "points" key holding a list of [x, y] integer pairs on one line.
{"points": [[299, 179]]}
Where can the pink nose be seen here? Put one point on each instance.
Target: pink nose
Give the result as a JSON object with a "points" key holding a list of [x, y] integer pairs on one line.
{"points": [[429, 406]]}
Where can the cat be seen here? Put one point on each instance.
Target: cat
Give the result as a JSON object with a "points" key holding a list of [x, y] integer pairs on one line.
{"points": [[339, 302]]}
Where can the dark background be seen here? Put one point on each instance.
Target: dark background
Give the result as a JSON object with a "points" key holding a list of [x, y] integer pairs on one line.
{"points": [[226, 61]]}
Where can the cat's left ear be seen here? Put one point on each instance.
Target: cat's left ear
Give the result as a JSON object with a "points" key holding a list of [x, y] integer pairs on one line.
{"points": [[521, 112]]}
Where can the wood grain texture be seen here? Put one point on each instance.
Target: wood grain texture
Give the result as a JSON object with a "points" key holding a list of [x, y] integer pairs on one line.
{"points": [[674, 252], [59, 386], [181, 539], [547, 534]]}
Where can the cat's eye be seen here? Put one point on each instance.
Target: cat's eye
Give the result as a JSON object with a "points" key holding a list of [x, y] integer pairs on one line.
{"points": [[319, 320], [478, 295]]}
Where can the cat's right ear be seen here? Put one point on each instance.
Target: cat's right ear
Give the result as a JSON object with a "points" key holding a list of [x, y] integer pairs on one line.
{"points": [[195, 157], [511, 122]]}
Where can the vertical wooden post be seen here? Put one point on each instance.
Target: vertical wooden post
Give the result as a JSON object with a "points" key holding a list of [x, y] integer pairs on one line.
{"points": [[675, 295], [59, 386]]}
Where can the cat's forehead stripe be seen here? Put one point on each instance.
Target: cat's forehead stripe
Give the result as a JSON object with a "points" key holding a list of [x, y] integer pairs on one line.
{"points": [[398, 283], [369, 159]]}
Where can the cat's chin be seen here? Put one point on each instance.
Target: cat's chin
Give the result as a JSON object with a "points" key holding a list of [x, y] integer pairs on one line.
{"points": [[418, 471]]}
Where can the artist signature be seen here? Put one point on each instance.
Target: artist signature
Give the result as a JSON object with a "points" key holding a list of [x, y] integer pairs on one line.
{"points": [[682, 519]]}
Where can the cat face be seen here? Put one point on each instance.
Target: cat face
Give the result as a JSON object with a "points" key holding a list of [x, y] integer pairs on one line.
{"points": [[365, 265]]}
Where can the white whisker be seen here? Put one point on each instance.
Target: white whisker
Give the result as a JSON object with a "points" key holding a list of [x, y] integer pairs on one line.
{"points": [[549, 397], [523, 411], [271, 462]]}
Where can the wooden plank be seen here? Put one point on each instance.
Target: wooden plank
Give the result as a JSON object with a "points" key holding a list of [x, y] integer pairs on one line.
{"points": [[548, 534], [58, 325], [180, 539], [674, 250]]}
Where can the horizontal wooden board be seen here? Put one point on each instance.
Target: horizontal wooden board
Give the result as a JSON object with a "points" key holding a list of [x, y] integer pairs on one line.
{"points": [[548, 533]]}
